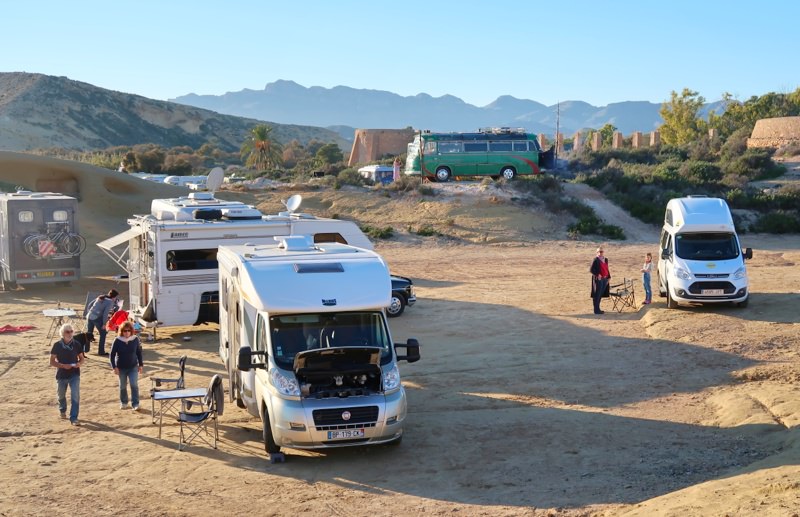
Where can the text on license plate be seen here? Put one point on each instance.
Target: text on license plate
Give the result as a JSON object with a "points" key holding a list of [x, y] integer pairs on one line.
{"points": [[713, 292], [43, 274], [345, 434]]}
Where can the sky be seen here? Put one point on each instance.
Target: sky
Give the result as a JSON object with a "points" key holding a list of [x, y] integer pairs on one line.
{"points": [[549, 52]]}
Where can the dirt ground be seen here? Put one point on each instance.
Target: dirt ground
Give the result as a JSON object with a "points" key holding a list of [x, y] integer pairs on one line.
{"points": [[524, 403]]}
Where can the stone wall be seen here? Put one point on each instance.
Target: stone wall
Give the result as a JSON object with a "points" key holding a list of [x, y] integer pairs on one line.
{"points": [[370, 145], [775, 132]]}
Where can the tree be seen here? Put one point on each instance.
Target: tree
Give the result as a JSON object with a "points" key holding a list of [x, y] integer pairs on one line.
{"points": [[681, 123], [259, 150], [738, 115], [329, 154], [607, 135]]}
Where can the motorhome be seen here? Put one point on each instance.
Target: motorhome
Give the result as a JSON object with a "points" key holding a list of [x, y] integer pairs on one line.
{"points": [[701, 260], [170, 255], [305, 340], [40, 239]]}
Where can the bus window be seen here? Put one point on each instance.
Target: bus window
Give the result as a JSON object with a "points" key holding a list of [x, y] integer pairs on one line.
{"points": [[501, 146], [449, 147], [430, 147], [521, 146], [474, 147]]}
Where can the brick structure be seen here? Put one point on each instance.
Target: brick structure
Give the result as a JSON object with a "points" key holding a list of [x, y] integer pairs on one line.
{"points": [[636, 140], [655, 139], [597, 141], [616, 140], [775, 132], [542, 141], [577, 142], [560, 143], [370, 145]]}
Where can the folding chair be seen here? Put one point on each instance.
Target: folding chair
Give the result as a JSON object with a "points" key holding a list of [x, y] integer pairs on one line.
{"points": [[166, 383], [623, 295], [196, 424]]}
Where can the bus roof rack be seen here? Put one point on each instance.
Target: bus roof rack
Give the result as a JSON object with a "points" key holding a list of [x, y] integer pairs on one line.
{"points": [[501, 130]]}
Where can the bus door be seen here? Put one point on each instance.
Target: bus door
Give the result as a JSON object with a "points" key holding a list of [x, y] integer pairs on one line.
{"points": [[475, 157]]}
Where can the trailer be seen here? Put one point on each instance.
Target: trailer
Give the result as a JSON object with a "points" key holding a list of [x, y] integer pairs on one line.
{"points": [[40, 239], [306, 344], [170, 255]]}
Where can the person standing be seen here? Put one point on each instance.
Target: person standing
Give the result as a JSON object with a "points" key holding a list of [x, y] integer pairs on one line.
{"points": [[396, 169], [600, 277], [67, 356], [126, 360], [647, 268], [97, 314]]}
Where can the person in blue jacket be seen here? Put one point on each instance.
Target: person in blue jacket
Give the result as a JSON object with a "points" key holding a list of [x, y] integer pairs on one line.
{"points": [[97, 314], [126, 360]]}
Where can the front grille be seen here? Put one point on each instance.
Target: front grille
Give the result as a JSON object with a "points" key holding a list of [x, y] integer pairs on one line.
{"points": [[697, 287], [332, 418]]}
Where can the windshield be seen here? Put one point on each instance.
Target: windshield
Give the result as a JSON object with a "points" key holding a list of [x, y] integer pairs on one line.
{"points": [[706, 246], [293, 333]]}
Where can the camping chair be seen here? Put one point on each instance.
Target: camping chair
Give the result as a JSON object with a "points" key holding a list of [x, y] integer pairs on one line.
{"points": [[165, 383], [196, 424], [623, 295]]}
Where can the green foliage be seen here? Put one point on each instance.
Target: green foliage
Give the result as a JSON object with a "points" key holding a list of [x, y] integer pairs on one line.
{"points": [[427, 231], [700, 172], [591, 225], [261, 150], [329, 154], [349, 177], [681, 123], [777, 222], [387, 232], [744, 115]]}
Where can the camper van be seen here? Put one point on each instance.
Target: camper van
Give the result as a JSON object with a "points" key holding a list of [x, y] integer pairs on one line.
{"points": [[377, 173], [40, 239], [305, 340], [170, 255], [701, 258]]}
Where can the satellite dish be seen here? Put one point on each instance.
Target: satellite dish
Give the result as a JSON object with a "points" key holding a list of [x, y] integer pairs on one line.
{"points": [[293, 203], [214, 179]]}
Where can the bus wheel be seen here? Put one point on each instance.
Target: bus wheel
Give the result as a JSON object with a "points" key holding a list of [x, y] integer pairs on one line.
{"points": [[508, 173], [442, 174]]}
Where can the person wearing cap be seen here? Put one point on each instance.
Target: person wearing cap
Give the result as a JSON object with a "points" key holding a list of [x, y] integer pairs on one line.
{"points": [[97, 315], [600, 277], [67, 356]]}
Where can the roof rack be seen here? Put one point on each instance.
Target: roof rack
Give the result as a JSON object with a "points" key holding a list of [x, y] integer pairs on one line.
{"points": [[501, 130]]}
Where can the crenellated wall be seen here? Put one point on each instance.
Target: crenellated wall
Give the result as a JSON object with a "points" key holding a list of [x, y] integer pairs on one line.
{"points": [[775, 132]]}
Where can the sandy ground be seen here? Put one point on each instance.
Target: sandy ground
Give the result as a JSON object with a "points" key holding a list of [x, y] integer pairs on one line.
{"points": [[524, 403]]}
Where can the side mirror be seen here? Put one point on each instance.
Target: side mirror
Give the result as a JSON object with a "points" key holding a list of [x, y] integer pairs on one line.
{"points": [[245, 359], [412, 351], [748, 253], [665, 254]]}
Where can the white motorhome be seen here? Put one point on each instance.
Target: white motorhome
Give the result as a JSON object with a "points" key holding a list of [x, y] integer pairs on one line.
{"points": [[305, 341], [184, 181], [170, 255], [701, 258]]}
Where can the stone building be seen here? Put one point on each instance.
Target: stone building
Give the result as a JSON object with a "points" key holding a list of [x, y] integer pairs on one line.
{"points": [[370, 145], [775, 132]]}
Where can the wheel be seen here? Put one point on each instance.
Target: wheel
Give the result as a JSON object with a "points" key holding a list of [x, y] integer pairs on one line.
{"points": [[442, 174], [662, 292], [269, 442], [508, 173], [743, 304], [671, 303], [397, 306]]}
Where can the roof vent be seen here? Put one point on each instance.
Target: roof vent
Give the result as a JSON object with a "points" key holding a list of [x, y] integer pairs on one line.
{"points": [[295, 242]]}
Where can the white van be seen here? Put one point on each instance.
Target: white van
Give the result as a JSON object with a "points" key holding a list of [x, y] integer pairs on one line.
{"points": [[701, 258]]}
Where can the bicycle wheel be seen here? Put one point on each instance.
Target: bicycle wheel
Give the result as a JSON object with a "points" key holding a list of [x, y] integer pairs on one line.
{"points": [[74, 244], [31, 245]]}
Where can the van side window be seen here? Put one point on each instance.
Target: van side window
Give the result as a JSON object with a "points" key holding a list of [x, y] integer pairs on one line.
{"points": [[668, 217], [261, 340], [500, 146]]}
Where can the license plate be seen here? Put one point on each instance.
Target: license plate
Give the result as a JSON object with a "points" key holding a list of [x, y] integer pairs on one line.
{"points": [[712, 292], [44, 274], [344, 434]]}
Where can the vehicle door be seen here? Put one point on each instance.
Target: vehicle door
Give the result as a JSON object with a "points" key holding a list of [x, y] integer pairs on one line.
{"points": [[664, 264]]}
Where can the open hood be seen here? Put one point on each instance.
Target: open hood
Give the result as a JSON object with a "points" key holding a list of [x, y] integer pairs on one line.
{"points": [[339, 372], [338, 359]]}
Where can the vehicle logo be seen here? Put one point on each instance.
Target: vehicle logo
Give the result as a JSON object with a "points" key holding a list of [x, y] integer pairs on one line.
{"points": [[346, 416], [329, 302], [711, 265]]}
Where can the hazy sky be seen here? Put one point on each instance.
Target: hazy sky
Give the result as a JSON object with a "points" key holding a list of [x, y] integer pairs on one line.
{"points": [[594, 51]]}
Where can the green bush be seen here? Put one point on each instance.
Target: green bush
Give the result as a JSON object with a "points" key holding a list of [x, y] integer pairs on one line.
{"points": [[777, 222], [349, 177], [427, 231], [700, 171], [387, 232]]}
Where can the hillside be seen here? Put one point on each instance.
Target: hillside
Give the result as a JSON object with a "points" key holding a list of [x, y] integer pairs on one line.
{"points": [[40, 111]]}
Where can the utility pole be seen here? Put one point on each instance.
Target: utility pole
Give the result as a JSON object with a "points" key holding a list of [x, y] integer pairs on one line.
{"points": [[558, 123]]}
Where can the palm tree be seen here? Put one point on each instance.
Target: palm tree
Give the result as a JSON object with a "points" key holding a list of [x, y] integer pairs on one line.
{"points": [[259, 150]]}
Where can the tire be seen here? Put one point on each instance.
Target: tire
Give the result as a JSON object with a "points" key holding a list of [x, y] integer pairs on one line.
{"points": [[266, 432], [443, 174], [662, 292], [397, 306], [508, 173], [671, 303]]}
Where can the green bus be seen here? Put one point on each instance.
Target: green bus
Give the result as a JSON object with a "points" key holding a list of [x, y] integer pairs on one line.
{"points": [[495, 152]]}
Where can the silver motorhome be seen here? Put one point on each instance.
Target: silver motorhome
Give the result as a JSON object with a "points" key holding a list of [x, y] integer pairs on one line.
{"points": [[170, 255], [40, 239], [305, 340]]}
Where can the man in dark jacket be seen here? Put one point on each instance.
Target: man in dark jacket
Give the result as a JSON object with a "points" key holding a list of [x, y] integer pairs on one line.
{"points": [[600, 278], [97, 314]]}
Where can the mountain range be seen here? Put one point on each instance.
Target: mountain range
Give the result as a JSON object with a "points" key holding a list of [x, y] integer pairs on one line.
{"points": [[286, 101]]}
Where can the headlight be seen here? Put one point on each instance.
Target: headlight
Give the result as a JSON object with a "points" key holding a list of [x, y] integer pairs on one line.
{"points": [[391, 379], [284, 384], [682, 274], [740, 273]]}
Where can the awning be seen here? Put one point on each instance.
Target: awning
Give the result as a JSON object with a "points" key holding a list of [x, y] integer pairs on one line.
{"points": [[117, 240]]}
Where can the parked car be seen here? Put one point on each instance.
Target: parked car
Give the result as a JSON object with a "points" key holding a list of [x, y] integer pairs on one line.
{"points": [[402, 295]]}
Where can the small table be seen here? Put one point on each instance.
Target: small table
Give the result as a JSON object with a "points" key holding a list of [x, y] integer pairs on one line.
{"points": [[169, 400], [57, 318]]}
